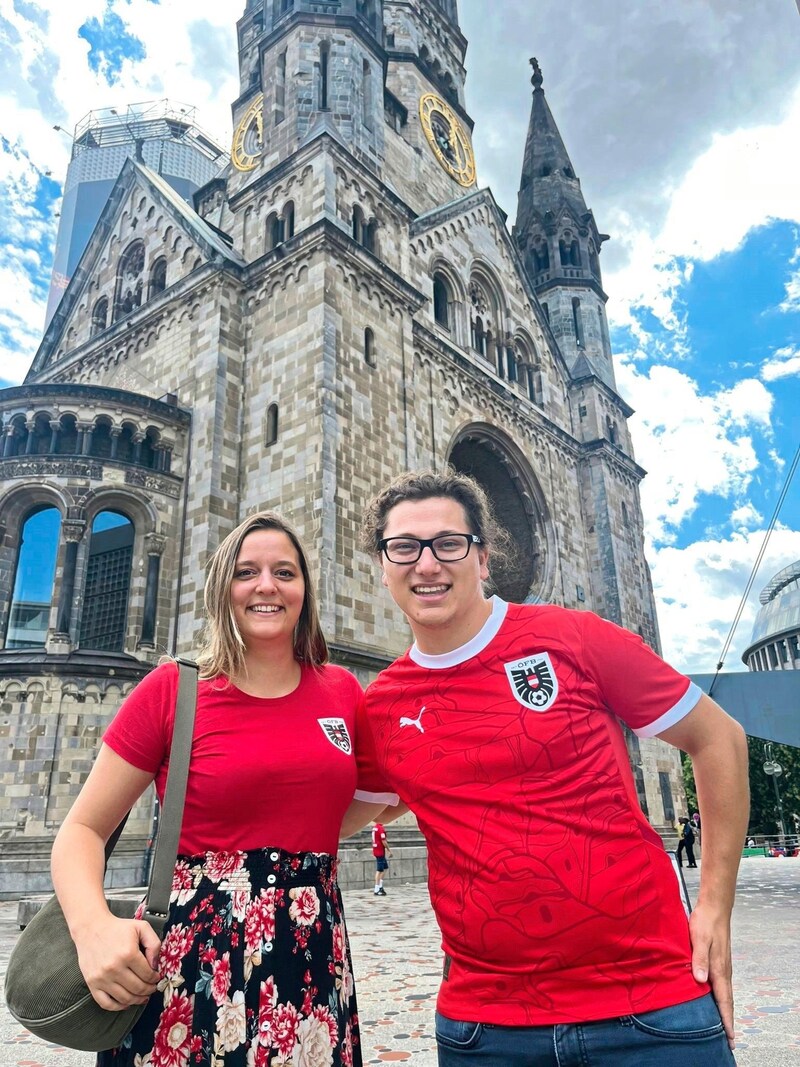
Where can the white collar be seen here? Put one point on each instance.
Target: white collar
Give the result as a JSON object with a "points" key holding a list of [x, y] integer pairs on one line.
{"points": [[478, 643]]}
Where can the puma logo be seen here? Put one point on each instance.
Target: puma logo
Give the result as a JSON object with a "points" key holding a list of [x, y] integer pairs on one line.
{"points": [[405, 721]]}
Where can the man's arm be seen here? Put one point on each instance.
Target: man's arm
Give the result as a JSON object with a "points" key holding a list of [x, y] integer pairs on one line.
{"points": [[361, 812], [718, 749]]}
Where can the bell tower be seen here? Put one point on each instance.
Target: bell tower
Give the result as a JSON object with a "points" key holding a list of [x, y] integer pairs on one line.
{"points": [[560, 244], [306, 66]]}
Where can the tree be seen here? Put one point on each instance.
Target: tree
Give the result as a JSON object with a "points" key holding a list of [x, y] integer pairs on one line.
{"points": [[763, 804]]}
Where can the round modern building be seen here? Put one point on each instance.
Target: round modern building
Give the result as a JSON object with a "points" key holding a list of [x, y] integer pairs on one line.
{"points": [[775, 644]]}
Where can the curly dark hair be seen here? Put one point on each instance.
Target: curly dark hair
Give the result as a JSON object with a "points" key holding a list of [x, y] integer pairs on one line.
{"points": [[424, 484]]}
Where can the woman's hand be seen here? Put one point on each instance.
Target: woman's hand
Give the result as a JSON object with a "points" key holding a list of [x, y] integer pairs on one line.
{"points": [[118, 959]]}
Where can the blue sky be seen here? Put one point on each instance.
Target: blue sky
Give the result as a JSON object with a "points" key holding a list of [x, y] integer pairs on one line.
{"points": [[682, 121]]}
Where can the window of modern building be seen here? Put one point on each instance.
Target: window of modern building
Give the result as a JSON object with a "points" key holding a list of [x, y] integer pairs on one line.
{"points": [[108, 581], [32, 596]]}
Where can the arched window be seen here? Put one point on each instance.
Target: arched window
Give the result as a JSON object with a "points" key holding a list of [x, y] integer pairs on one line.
{"points": [[575, 254], [370, 241], [280, 89], [125, 445], [511, 363], [324, 73], [541, 257], [68, 436], [577, 321], [148, 453], [108, 582], [367, 102], [611, 430], [369, 348], [594, 261], [40, 436], [130, 280], [358, 224], [563, 252], [271, 432], [33, 582], [441, 301], [288, 221], [158, 277], [274, 231], [101, 439], [100, 316]]}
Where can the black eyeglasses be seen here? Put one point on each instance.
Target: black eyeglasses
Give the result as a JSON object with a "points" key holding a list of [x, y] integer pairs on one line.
{"points": [[447, 548]]}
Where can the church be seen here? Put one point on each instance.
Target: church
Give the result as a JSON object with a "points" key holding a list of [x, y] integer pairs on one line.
{"points": [[341, 302]]}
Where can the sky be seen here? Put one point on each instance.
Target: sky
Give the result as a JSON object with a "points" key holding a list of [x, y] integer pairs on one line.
{"points": [[682, 121]]}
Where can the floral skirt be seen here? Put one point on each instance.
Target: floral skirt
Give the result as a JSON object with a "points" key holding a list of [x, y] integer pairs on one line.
{"points": [[255, 968]]}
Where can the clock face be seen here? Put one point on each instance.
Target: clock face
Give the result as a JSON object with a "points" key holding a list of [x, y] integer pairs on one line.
{"points": [[248, 140], [448, 139]]}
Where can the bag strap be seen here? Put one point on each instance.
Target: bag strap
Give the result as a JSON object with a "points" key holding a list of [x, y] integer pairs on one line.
{"points": [[169, 828]]}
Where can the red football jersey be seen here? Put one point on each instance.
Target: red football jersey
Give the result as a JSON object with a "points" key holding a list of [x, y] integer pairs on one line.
{"points": [[556, 900], [263, 772]]}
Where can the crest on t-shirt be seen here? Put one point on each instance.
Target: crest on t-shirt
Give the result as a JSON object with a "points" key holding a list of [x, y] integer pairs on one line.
{"points": [[533, 681], [336, 732]]}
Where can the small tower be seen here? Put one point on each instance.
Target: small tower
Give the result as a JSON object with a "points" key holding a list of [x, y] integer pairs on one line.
{"points": [[560, 244], [307, 66]]}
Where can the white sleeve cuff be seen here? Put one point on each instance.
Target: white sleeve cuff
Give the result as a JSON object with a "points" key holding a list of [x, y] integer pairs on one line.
{"points": [[389, 800], [675, 714]]}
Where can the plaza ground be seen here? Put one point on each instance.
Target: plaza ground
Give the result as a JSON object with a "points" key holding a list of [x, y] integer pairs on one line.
{"points": [[397, 961]]}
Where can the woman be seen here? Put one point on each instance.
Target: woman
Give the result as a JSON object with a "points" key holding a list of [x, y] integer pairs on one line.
{"points": [[254, 968]]}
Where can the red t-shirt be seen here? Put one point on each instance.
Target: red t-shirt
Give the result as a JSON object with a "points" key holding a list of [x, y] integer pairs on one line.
{"points": [[556, 900], [263, 772], [378, 840]]}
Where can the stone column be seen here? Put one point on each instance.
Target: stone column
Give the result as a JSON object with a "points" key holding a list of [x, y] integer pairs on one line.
{"points": [[138, 438], [8, 442], [55, 433], [85, 440], [155, 548], [73, 535], [116, 432], [31, 442]]}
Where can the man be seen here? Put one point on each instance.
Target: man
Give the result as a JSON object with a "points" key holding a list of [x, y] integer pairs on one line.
{"points": [[686, 842], [380, 850], [564, 935]]}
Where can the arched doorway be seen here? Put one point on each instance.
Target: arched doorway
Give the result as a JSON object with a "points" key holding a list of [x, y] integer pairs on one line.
{"points": [[501, 471]]}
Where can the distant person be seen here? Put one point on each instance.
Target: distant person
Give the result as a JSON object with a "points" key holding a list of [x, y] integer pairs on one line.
{"points": [[254, 966], [696, 825], [564, 934], [686, 842], [380, 850]]}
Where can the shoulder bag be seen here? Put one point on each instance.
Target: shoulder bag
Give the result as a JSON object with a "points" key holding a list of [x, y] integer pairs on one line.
{"points": [[44, 987]]}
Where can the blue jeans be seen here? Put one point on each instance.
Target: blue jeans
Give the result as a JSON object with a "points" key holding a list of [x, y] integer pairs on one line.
{"points": [[687, 1035]]}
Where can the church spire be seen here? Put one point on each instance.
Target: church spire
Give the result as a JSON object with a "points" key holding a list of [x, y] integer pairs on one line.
{"points": [[548, 177], [560, 244]]}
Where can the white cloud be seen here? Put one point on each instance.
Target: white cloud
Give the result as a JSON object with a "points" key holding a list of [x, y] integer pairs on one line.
{"points": [[691, 444], [746, 517], [699, 588], [742, 181], [784, 363]]}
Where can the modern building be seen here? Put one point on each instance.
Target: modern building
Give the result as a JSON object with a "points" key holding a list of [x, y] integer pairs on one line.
{"points": [[775, 644], [342, 303], [163, 136]]}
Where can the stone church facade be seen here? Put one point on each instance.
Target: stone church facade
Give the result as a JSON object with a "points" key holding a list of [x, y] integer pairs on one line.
{"points": [[342, 303]]}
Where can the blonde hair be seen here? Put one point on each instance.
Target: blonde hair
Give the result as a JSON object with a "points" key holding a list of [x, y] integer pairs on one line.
{"points": [[223, 649]]}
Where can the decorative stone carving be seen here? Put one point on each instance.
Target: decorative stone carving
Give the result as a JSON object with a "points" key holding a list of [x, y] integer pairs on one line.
{"points": [[62, 468], [152, 483]]}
